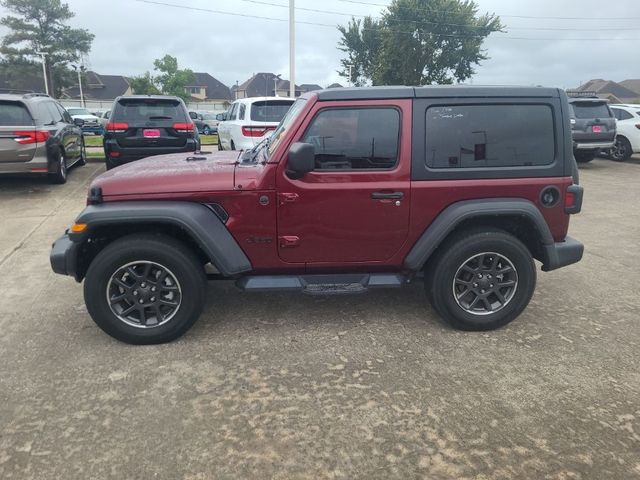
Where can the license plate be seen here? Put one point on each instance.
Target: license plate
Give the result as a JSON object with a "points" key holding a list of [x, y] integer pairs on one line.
{"points": [[596, 129], [151, 133]]}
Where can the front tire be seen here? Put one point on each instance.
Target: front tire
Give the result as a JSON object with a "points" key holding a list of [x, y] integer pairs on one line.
{"points": [[482, 281], [621, 151], [145, 289], [206, 130]]}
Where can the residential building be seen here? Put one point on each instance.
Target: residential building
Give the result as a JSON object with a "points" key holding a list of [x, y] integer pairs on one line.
{"points": [[265, 84], [206, 88], [608, 89], [99, 88], [632, 84], [335, 85], [309, 87]]}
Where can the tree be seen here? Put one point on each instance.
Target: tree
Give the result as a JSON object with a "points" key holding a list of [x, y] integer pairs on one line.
{"points": [[144, 85], [172, 80], [40, 26], [417, 42]]}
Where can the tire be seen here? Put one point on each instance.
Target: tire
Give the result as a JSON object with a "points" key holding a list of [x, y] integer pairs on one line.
{"points": [[233, 145], [447, 273], [585, 156], [109, 163], [184, 285], [206, 130], [220, 147], [622, 151], [60, 175], [82, 161]]}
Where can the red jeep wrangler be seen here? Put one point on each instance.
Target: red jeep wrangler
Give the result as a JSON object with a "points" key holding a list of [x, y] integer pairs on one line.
{"points": [[358, 188]]}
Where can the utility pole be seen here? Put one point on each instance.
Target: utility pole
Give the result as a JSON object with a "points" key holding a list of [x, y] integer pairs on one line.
{"points": [[292, 48], [43, 56], [79, 70]]}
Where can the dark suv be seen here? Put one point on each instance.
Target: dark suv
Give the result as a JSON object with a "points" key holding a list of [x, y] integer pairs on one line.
{"points": [[357, 188], [146, 125], [38, 136], [593, 125]]}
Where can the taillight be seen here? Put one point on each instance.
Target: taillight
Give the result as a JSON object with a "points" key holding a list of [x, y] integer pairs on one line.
{"points": [[569, 199], [183, 127], [255, 131], [31, 136], [117, 127]]}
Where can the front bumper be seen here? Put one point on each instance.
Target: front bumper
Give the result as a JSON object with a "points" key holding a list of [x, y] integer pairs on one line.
{"points": [[64, 256], [93, 129], [561, 254]]}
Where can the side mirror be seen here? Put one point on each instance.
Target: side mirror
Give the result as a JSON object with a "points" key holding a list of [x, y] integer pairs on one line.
{"points": [[302, 160], [220, 117], [78, 122]]}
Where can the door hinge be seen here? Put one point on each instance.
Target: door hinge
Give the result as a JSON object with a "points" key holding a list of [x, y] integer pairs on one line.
{"points": [[288, 198], [288, 241]]}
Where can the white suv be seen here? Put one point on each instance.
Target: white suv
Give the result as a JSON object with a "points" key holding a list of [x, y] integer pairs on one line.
{"points": [[628, 136], [248, 120]]}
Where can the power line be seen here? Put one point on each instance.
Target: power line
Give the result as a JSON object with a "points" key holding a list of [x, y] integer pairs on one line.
{"points": [[420, 22], [371, 4], [509, 37]]}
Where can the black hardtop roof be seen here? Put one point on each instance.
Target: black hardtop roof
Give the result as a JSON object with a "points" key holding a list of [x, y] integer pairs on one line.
{"points": [[433, 91]]}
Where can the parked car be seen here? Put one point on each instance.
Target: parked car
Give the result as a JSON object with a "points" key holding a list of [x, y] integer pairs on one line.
{"points": [[628, 132], [91, 122], [146, 125], [593, 126], [249, 119], [357, 189], [38, 136], [104, 119], [205, 122]]}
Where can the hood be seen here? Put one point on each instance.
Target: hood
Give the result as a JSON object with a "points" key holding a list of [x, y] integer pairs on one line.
{"points": [[167, 174], [86, 117]]}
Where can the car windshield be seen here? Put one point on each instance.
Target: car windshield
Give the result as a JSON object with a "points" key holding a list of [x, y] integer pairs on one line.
{"points": [[136, 110], [209, 116], [269, 110], [14, 114], [78, 111], [286, 122], [591, 110]]}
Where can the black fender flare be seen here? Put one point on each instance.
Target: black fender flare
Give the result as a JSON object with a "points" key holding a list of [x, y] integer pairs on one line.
{"points": [[455, 214], [197, 220]]}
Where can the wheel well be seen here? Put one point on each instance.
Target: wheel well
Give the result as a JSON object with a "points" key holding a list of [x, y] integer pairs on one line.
{"points": [[102, 236], [521, 227]]}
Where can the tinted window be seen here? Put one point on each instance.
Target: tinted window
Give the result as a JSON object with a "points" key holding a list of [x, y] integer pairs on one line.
{"points": [[590, 110], [364, 138], [12, 114], [143, 110], [621, 114], [65, 115], [468, 136], [233, 112], [270, 110], [55, 113], [44, 114], [243, 109]]}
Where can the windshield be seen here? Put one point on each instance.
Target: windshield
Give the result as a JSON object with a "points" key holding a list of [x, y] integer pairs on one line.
{"points": [[208, 116], [286, 122], [78, 111]]}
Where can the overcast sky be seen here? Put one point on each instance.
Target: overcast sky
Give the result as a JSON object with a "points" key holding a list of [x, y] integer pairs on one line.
{"points": [[131, 34]]}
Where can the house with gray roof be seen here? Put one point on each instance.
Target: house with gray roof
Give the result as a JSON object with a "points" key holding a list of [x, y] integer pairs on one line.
{"points": [[265, 84], [610, 90], [206, 88], [99, 88], [632, 84], [335, 85]]}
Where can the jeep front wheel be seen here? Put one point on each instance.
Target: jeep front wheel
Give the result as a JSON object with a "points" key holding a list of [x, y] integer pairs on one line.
{"points": [[483, 281], [145, 289]]}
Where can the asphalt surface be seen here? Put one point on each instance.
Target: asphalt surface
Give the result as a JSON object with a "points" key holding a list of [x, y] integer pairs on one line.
{"points": [[291, 386]]}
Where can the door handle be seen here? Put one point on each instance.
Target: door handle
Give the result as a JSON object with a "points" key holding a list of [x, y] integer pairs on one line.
{"points": [[387, 195]]}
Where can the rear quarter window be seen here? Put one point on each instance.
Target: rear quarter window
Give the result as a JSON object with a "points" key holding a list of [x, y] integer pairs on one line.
{"points": [[133, 111], [14, 114], [491, 136], [270, 110]]}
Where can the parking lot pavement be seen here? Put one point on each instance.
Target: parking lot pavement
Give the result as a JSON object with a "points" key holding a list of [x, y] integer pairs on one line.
{"points": [[292, 386]]}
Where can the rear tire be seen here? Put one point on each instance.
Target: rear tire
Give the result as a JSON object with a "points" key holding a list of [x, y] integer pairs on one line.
{"points": [[60, 175], [145, 289], [233, 145], [467, 301], [206, 130], [622, 151], [585, 156], [220, 147], [82, 161]]}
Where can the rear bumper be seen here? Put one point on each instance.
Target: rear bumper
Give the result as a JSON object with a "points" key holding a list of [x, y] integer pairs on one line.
{"points": [[64, 256], [39, 163], [594, 145], [561, 254], [129, 154]]}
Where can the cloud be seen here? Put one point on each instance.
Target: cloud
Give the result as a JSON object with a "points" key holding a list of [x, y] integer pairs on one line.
{"points": [[130, 35]]}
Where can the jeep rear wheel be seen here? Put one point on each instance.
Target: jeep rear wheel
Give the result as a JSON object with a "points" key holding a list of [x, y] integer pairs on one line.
{"points": [[483, 281], [585, 156], [145, 289]]}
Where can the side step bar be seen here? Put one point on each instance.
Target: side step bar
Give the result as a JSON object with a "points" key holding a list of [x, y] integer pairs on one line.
{"points": [[322, 284]]}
